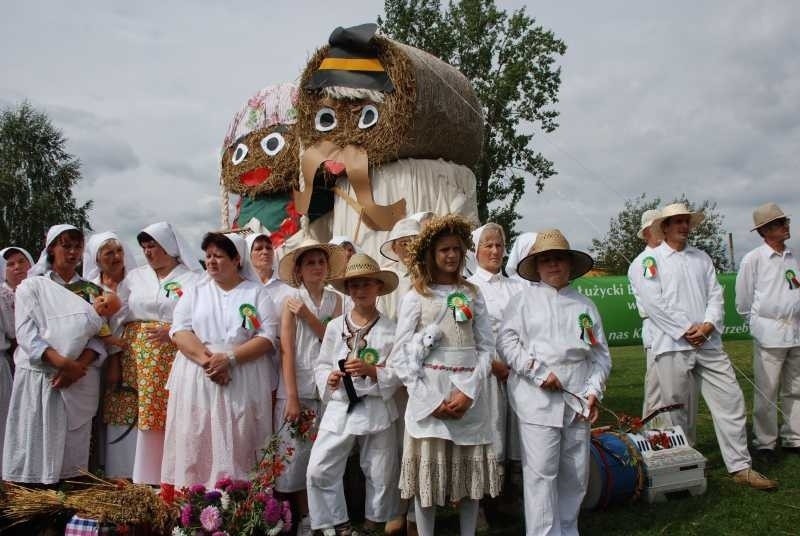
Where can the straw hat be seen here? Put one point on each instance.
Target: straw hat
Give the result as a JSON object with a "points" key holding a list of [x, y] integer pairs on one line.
{"points": [[766, 213], [405, 228], [553, 240], [336, 263], [362, 265], [676, 209], [648, 217]]}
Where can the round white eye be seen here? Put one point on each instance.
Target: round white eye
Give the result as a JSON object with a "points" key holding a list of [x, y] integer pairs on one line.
{"points": [[369, 116], [325, 120], [239, 154], [273, 143]]}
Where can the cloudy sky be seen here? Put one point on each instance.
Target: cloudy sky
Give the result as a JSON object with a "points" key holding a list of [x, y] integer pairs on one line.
{"points": [[667, 98]]}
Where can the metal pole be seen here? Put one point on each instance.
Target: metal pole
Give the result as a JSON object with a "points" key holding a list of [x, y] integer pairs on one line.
{"points": [[730, 247]]}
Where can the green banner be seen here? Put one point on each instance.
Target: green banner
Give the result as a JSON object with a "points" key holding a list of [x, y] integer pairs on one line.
{"points": [[613, 296]]}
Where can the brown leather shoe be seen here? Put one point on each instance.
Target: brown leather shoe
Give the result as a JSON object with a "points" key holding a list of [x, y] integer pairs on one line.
{"points": [[754, 479]]}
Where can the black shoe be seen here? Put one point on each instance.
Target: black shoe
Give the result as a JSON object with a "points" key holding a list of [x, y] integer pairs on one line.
{"points": [[791, 450], [767, 455]]}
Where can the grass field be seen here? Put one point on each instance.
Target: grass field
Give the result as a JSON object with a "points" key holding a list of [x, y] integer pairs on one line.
{"points": [[725, 509]]}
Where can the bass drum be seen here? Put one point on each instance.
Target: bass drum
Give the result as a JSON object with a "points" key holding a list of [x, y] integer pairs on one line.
{"points": [[616, 471]]}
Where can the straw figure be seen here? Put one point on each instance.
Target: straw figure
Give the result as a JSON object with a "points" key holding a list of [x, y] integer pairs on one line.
{"points": [[259, 163], [386, 130]]}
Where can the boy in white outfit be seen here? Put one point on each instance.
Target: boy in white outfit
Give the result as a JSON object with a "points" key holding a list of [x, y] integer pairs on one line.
{"points": [[553, 340], [361, 408]]}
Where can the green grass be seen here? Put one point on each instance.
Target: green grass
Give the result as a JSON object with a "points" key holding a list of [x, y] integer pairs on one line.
{"points": [[725, 509]]}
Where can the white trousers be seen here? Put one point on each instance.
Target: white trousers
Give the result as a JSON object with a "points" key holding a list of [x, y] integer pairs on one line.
{"points": [[652, 394], [711, 373], [378, 456], [555, 473], [776, 369]]}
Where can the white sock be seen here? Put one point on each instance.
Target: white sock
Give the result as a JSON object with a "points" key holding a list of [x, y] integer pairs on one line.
{"points": [[468, 516], [426, 518]]}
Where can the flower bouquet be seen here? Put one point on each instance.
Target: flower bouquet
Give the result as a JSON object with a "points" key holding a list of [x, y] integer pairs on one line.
{"points": [[305, 427]]}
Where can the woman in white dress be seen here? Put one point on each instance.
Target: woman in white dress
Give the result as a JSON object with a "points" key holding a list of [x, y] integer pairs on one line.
{"points": [[442, 353], [303, 318], [219, 413], [57, 382], [16, 263], [105, 262]]}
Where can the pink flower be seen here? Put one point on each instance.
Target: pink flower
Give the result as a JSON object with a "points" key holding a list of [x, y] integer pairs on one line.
{"points": [[223, 483], [210, 518], [272, 511], [186, 515], [287, 516], [198, 489]]}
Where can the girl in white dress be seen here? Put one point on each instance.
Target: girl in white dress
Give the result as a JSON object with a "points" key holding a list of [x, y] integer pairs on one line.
{"points": [[442, 352], [363, 338], [304, 316], [219, 408]]}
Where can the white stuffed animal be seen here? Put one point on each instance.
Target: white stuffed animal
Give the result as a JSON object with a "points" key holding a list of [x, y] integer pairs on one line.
{"points": [[422, 342]]}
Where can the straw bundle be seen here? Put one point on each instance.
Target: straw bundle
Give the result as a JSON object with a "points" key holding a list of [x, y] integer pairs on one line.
{"points": [[433, 111], [283, 170]]}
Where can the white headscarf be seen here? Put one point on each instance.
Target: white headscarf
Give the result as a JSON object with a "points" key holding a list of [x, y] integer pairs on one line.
{"points": [[250, 240], [246, 270], [173, 244], [91, 270], [42, 266], [519, 251], [3, 258]]}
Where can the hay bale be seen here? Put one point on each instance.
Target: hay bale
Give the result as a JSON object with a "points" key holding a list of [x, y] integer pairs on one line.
{"points": [[432, 113]]}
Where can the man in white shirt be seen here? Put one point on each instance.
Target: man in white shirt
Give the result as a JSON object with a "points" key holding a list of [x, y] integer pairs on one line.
{"points": [[684, 302], [552, 339], [639, 269], [768, 296]]}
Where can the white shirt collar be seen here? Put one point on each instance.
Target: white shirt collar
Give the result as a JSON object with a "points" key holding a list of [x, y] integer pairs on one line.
{"points": [[486, 275]]}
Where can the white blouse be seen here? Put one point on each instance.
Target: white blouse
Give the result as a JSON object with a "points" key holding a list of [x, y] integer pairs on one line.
{"points": [[377, 410], [498, 291], [148, 298], [216, 316]]}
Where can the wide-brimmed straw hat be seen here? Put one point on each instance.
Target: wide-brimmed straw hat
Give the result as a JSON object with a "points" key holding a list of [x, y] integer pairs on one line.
{"points": [[553, 240], [648, 217], [405, 228], [335, 254], [766, 213], [362, 265], [676, 209]]}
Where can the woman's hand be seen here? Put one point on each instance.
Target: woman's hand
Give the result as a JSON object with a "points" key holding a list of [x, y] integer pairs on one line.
{"points": [[334, 379], [217, 368], [552, 383], [113, 370], [356, 367], [443, 412], [69, 372], [458, 404], [594, 409], [298, 308], [292, 411], [158, 333], [500, 370]]}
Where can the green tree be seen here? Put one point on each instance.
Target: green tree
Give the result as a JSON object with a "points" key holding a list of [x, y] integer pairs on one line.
{"points": [[511, 63], [620, 246], [37, 175]]}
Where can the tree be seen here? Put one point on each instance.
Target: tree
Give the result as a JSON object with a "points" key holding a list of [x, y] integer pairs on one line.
{"points": [[620, 246], [36, 179], [511, 64]]}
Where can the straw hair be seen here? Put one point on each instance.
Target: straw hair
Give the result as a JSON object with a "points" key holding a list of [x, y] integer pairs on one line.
{"points": [[422, 254], [766, 213], [553, 240], [676, 209], [361, 265], [433, 111], [287, 267]]}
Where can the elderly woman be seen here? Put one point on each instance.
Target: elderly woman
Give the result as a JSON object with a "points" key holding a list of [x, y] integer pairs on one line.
{"points": [[220, 408], [151, 293], [57, 383], [105, 262], [17, 263]]}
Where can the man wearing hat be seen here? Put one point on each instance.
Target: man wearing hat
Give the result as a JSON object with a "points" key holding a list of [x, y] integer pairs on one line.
{"points": [[553, 341], [768, 296], [639, 269], [684, 302]]}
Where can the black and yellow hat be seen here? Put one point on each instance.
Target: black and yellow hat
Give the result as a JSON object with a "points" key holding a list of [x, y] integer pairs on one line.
{"points": [[352, 61]]}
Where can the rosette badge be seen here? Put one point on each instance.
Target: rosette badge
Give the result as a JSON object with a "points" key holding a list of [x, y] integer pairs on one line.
{"points": [[459, 303], [249, 316], [649, 266], [173, 289], [369, 356], [791, 278], [587, 329]]}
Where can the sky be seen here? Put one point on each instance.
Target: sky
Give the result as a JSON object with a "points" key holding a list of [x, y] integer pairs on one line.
{"points": [[662, 98]]}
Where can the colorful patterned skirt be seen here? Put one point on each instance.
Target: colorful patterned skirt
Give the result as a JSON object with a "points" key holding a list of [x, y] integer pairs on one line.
{"points": [[153, 361]]}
